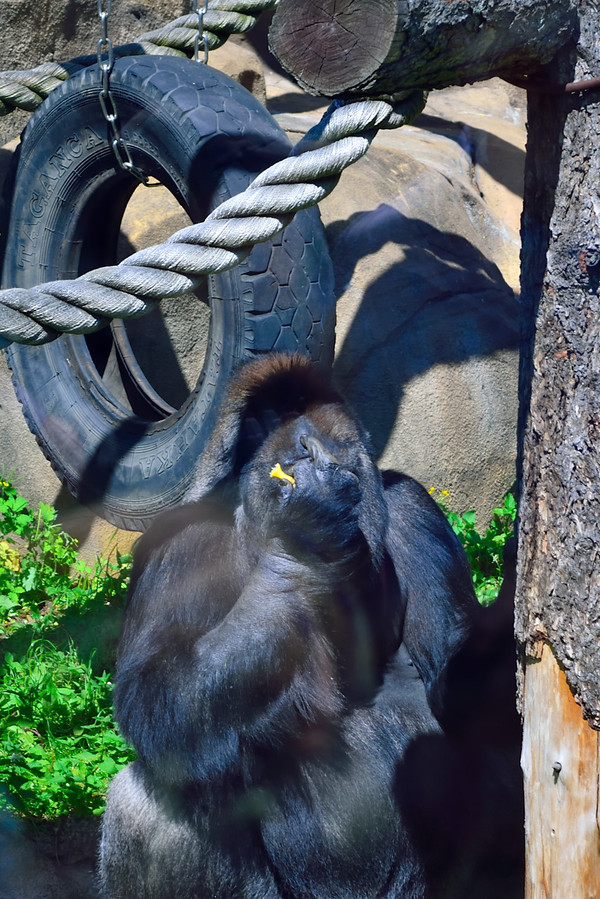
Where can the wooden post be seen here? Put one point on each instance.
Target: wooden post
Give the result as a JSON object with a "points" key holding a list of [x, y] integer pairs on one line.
{"points": [[561, 768], [558, 574], [374, 47]]}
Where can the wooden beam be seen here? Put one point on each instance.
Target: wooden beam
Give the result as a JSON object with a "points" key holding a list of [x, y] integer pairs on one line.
{"points": [[561, 768], [375, 47]]}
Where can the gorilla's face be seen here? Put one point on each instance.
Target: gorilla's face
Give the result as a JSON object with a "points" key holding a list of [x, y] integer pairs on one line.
{"points": [[305, 480], [288, 457]]}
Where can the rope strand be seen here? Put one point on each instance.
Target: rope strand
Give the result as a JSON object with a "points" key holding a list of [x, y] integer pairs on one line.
{"points": [[39, 314]]}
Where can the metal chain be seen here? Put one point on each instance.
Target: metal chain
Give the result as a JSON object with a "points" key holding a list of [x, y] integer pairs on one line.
{"points": [[107, 101], [201, 36]]}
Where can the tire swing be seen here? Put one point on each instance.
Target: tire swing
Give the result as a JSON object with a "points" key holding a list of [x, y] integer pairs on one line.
{"points": [[109, 410]]}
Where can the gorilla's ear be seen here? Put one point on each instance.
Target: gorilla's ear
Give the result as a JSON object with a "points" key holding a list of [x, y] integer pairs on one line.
{"points": [[266, 392]]}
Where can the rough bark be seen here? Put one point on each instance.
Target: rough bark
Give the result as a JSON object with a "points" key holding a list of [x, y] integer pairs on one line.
{"points": [[558, 583], [376, 47], [559, 554]]}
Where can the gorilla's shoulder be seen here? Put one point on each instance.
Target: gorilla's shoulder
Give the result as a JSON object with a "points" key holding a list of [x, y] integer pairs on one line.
{"points": [[199, 520], [416, 521]]}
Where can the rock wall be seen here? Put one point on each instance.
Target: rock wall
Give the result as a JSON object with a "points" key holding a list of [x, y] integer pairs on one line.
{"points": [[60, 30], [423, 234], [428, 320]]}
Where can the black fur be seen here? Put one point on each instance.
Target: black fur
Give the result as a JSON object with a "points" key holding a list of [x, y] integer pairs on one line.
{"points": [[286, 650]]}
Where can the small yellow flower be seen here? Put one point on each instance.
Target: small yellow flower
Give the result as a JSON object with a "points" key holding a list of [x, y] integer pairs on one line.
{"points": [[278, 472]]}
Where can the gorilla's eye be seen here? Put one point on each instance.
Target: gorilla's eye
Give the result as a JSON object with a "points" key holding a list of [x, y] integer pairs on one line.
{"points": [[278, 472]]}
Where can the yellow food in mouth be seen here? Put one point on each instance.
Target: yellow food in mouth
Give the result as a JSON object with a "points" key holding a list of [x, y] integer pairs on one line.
{"points": [[278, 472]]}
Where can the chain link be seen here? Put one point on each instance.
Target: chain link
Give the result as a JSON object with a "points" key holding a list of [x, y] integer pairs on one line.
{"points": [[201, 36], [107, 101]]}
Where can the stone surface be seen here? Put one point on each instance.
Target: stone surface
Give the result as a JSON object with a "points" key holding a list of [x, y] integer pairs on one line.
{"points": [[424, 237], [428, 330]]}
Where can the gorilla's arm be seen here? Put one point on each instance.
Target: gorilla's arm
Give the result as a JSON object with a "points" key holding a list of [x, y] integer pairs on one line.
{"points": [[225, 643], [218, 653], [435, 579]]}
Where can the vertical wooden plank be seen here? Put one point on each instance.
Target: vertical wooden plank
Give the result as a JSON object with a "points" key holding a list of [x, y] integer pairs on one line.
{"points": [[561, 768]]}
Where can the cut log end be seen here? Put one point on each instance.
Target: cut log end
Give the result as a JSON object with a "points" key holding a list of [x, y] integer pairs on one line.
{"points": [[330, 46], [370, 48]]}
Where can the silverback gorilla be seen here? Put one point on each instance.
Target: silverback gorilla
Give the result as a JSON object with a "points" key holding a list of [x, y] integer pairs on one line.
{"points": [[300, 674]]}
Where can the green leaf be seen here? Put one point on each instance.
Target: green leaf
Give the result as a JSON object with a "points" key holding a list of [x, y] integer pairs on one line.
{"points": [[47, 513], [469, 518], [30, 578]]}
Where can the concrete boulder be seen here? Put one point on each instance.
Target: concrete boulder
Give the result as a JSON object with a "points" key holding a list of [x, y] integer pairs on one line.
{"points": [[423, 234]]}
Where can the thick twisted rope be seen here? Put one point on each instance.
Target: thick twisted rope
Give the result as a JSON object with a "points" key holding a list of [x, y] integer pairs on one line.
{"points": [[26, 90], [39, 314]]}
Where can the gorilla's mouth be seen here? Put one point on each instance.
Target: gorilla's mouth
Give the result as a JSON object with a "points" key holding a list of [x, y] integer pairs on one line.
{"points": [[278, 472]]}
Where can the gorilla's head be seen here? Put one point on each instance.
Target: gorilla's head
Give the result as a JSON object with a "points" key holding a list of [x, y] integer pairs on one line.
{"points": [[303, 485], [288, 451]]}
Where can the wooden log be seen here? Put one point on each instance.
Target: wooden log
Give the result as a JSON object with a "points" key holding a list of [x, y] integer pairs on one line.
{"points": [[561, 768], [345, 48]]}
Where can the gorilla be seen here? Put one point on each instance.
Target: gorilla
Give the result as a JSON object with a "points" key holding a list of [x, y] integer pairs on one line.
{"points": [[305, 677]]}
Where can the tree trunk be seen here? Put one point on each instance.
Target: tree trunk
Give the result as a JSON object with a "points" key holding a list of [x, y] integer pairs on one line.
{"points": [[558, 584], [377, 47]]}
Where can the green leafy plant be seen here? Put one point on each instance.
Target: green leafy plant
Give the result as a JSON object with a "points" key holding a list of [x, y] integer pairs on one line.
{"points": [[59, 622], [59, 746], [35, 557], [484, 551]]}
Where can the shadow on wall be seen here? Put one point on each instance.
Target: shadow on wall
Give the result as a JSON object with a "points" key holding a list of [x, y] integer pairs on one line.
{"points": [[443, 303], [501, 159]]}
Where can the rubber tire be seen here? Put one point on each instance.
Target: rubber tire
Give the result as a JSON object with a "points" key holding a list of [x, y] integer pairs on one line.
{"points": [[203, 136]]}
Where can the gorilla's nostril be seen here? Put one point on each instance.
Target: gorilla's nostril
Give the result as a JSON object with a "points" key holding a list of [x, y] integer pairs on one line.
{"points": [[317, 451]]}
